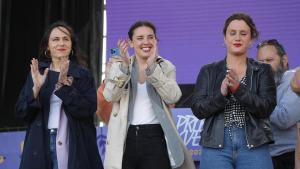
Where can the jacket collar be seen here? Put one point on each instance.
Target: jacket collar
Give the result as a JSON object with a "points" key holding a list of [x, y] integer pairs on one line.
{"points": [[251, 63], [133, 58]]}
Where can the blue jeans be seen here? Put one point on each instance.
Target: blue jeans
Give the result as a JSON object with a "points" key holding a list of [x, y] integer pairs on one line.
{"points": [[236, 154], [53, 149]]}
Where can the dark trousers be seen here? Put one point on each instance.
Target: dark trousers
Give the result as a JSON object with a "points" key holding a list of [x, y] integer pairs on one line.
{"points": [[146, 148], [284, 161]]}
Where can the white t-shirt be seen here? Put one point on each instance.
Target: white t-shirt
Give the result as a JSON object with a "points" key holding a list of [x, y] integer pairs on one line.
{"points": [[143, 112], [54, 113]]}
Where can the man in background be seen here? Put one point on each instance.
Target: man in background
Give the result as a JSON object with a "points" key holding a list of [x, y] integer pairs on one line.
{"points": [[287, 112]]}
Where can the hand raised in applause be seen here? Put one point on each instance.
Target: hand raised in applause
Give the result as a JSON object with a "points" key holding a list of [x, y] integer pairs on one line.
{"points": [[233, 80], [224, 87], [123, 46], [153, 54], [63, 74], [37, 78]]}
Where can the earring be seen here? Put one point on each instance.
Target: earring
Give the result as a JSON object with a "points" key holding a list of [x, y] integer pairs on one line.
{"points": [[46, 54]]}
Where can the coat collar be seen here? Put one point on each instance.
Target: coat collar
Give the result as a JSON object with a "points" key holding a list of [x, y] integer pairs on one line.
{"points": [[251, 64]]}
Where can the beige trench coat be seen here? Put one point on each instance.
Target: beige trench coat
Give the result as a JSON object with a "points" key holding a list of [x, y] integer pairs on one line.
{"points": [[117, 90]]}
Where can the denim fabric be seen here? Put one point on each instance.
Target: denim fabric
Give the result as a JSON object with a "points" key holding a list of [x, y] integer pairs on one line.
{"points": [[236, 154], [53, 149]]}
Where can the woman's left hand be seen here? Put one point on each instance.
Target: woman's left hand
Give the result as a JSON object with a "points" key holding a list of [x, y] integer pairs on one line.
{"points": [[153, 55], [64, 67]]}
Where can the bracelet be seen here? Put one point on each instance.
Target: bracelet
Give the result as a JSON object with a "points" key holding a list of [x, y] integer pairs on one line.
{"points": [[58, 85], [67, 82]]}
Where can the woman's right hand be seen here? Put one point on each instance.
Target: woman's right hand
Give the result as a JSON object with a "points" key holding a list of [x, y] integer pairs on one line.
{"points": [[123, 46], [224, 87], [37, 78]]}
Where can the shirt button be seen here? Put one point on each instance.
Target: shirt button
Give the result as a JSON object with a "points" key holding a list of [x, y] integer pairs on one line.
{"points": [[59, 143]]}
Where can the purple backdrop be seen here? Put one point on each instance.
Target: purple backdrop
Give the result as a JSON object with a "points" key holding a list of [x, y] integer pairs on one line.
{"points": [[190, 32]]}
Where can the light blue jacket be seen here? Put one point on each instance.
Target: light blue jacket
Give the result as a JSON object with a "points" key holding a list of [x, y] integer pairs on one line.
{"points": [[285, 116]]}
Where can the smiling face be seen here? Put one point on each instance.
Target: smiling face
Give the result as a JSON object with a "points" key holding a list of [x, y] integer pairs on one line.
{"points": [[237, 37], [59, 44], [143, 41]]}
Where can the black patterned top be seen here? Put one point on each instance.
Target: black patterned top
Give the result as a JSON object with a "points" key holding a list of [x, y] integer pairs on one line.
{"points": [[234, 111]]}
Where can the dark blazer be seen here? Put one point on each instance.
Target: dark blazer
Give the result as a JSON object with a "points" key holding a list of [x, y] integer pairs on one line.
{"points": [[258, 96], [79, 104]]}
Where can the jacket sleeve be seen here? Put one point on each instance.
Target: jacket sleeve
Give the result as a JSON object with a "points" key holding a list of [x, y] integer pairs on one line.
{"points": [[204, 103], [27, 106], [116, 82], [262, 103], [162, 76], [287, 112], [79, 99]]}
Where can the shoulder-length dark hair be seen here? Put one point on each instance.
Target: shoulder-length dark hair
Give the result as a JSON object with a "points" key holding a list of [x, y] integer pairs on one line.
{"points": [[44, 54]]}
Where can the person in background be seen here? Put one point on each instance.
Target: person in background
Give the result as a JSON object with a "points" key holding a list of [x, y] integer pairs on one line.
{"points": [[287, 112], [141, 132], [235, 96], [104, 107], [295, 84], [58, 102], [2, 159]]}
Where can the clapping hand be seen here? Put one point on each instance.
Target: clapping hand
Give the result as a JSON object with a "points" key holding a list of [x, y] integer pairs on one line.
{"points": [[153, 56], [233, 80], [224, 87], [123, 46], [230, 83], [64, 67], [37, 78]]}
